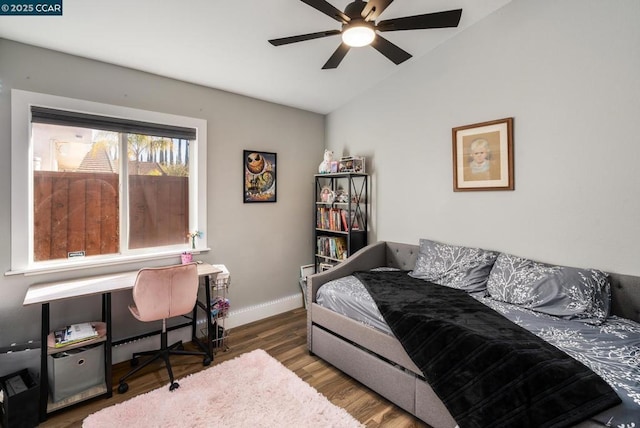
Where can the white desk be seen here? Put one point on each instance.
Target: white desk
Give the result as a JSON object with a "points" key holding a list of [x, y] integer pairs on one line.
{"points": [[104, 285]]}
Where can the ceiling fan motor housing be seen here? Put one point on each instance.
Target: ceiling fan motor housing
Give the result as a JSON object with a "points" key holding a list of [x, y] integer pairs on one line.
{"points": [[354, 9]]}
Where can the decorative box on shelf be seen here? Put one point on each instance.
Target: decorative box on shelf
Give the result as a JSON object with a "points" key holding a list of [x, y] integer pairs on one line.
{"points": [[352, 164], [75, 370]]}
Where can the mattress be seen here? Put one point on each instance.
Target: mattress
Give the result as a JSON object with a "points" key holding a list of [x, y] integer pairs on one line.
{"points": [[348, 296], [612, 350]]}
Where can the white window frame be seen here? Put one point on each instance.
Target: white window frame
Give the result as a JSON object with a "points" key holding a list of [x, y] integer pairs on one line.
{"points": [[22, 213]]}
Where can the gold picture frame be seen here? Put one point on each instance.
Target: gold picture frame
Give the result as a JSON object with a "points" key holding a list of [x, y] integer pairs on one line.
{"points": [[483, 156]]}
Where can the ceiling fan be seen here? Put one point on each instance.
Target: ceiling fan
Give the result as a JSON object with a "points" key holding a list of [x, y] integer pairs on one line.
{"points": [[359, 28]]}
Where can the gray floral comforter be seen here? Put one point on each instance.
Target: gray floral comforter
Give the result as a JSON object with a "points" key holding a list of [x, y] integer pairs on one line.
{"points": [[612, 350]]}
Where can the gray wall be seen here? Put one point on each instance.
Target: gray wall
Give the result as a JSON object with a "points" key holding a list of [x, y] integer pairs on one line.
{"points": [[263, 245], [569, 73]]}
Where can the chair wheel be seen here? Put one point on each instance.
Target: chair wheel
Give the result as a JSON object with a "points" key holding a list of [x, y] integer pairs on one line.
{"points": [[174, 385], [135, 361], [206, 361], [181, 347], [122, 388]]}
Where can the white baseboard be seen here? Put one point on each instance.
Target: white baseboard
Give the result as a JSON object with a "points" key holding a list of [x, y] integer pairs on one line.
{"points": [[236, 318], [263, 310]]}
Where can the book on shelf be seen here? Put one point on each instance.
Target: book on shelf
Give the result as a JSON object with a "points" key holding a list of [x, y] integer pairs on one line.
{"points": [[332, 247], [341, 248], [334, 219], [345, 223], [74, 333]]}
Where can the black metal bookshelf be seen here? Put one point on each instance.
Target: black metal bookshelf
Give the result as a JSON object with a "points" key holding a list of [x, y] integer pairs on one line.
{"points": [[341, 217]]}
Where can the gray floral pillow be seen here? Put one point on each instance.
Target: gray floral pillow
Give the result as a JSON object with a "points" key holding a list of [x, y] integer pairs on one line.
{"points": [[454, 266], [566, 292]]}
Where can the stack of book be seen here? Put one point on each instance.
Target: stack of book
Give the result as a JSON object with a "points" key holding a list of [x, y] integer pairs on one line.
{"points": [[74, 333], [332, 247], [337, 219]]}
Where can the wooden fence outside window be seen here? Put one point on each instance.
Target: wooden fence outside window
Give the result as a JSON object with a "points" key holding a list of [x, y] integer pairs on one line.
{"points": [[79, 211]]}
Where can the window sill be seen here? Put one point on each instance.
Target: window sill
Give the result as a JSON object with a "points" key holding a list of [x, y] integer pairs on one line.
{"points": [[92, 263]]}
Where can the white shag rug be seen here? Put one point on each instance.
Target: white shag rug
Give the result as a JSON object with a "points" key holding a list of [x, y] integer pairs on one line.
{"points": [[252, 390]]}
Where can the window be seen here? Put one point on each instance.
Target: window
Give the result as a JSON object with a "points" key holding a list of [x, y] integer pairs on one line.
{"points": [[100, 184]]}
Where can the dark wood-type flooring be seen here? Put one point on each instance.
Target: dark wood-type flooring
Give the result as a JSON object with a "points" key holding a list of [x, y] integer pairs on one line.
{"points": [[284, 338]]}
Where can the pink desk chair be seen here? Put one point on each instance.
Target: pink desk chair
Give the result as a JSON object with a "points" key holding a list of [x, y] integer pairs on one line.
{"points": [[158, 294]]}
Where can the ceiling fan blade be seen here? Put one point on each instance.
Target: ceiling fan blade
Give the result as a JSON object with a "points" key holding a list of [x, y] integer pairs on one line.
{"points": [[337, 57], [449, 18], [391, 51], [303, 37], [374, 8], [328, 10]]}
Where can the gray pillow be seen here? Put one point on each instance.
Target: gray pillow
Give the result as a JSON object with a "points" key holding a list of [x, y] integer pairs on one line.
{"points": [[454, 266], [566, 292]]}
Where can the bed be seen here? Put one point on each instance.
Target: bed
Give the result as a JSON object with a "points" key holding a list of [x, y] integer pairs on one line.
{"points": [[357, 339]]}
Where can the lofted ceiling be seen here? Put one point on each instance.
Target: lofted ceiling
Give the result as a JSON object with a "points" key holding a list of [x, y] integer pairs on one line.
{"points": [[223, 44]]}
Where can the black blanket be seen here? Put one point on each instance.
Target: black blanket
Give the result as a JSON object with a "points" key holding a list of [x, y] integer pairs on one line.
{"points": [[488, 371]]}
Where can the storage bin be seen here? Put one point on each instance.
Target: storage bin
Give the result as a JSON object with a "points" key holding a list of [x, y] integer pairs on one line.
{"points": [[20, 400], [75, 370]]}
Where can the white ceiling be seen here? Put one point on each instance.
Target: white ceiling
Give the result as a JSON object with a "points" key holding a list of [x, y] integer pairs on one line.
{"points": [[223, 44]]}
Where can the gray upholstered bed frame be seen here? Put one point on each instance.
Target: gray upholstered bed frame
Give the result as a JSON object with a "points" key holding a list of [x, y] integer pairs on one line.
{"points": [[378, 360]]}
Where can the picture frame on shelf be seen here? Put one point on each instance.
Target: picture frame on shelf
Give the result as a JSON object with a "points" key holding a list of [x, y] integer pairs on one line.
{"points": [[483, 156], [324, 266], [260, 176], [307, 270], [327, 195]]}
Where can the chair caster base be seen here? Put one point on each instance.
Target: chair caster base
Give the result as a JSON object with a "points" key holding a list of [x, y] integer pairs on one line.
{"points": [[122, 388], [206, 361], [174, 385]]}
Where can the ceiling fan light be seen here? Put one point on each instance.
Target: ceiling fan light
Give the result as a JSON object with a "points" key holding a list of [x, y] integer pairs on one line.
{"points": [[358, 35]]}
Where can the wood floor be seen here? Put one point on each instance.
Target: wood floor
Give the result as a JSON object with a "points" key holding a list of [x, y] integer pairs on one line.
{"points": [[284, 338]]}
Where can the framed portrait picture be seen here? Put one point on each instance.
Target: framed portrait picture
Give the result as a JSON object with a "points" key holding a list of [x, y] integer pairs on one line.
{"points": [[260, 180], [483, 156]]}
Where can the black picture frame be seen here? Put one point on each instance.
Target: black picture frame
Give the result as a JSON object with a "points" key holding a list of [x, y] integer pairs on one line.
{"points": [[259, 177]]}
